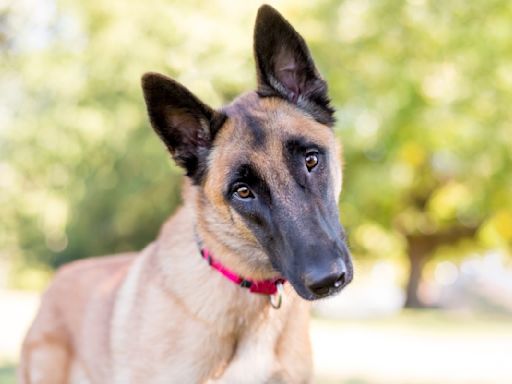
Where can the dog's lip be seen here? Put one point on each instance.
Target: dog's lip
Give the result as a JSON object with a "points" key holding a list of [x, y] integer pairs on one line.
{"points": [[307, 295], [332, 292]]}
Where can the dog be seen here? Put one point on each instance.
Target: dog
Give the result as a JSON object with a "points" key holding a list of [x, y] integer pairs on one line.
{"points": [[222, 295]]}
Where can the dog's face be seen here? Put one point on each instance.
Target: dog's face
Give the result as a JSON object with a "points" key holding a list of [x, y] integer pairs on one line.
{"points": [[267, 166]]}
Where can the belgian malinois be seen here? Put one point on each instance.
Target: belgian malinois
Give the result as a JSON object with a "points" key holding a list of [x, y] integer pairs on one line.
{"points": [[218, 296]]}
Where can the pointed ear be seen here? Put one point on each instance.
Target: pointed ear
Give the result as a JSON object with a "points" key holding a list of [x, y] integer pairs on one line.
{"points": [[285, 67], [183, 122]]}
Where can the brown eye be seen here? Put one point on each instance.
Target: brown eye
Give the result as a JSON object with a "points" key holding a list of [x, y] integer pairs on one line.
{"points": [[311, 161], [243, 192]]}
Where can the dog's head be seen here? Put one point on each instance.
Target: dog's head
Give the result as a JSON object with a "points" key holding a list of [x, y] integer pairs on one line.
{"points": [[267, 166]]}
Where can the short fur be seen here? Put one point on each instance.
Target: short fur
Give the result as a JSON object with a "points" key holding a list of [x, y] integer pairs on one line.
{"points": [[162, 315]]}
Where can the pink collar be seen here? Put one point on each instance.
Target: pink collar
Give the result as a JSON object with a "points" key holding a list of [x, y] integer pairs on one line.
{"points": [[263, 287]]}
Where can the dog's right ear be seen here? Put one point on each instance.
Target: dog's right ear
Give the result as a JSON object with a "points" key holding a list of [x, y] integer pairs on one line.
{"points": [[185, 124]]}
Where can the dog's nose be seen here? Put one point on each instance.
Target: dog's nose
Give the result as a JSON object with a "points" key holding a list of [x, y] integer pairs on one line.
{"points": [[322, 285]]}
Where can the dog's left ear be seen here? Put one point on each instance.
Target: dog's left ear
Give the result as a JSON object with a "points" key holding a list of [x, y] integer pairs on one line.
{"points": [[285, 67]]}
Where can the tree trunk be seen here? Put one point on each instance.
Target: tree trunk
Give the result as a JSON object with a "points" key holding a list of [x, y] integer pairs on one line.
{"points": [[417, 257], [412, 299], [420, 248]]}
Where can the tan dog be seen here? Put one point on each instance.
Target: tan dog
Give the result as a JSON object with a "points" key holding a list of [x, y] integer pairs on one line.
{"points": [[261, 207]]}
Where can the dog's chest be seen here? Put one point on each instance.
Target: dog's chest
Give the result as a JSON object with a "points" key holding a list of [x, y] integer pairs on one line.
{"points": [[155, 337], [253, 359]]}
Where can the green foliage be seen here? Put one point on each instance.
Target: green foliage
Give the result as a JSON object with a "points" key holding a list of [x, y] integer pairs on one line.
{"points": [[7, 374], [422, 89], [422, 86]]}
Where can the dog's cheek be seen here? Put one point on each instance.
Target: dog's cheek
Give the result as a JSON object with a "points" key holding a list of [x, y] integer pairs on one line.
{"points": [[213, 191], [243, 230]]}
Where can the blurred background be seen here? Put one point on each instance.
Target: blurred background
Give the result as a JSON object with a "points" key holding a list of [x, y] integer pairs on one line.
{"points": [[423, 96]]}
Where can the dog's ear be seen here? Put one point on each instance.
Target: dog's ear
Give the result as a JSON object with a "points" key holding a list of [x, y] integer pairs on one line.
{"points": [[285, 67], [185, 124]]}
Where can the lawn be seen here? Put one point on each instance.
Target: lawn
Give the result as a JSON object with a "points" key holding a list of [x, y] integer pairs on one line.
{"points": [[416, 347], [7, 374]]}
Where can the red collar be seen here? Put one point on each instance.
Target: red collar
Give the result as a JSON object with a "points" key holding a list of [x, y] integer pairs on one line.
{"points": [[264, 287]]}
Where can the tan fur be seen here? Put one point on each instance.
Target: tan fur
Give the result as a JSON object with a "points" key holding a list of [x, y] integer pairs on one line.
{"points": [[163, 315]]}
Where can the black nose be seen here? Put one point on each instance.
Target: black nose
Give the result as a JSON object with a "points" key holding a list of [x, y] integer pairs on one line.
{"points": [[322, 285]]}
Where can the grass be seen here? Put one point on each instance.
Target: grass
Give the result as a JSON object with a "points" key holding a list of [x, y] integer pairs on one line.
{"points": [[414, 347], [7, 373], [435, 320]]}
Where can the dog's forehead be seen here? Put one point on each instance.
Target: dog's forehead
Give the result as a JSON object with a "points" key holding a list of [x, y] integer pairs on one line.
{"points": [[263, 124], [256, 132]]}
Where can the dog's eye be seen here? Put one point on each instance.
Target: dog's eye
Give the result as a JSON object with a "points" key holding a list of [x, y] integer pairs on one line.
{"points": [[243, 192], [311, 160]]}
